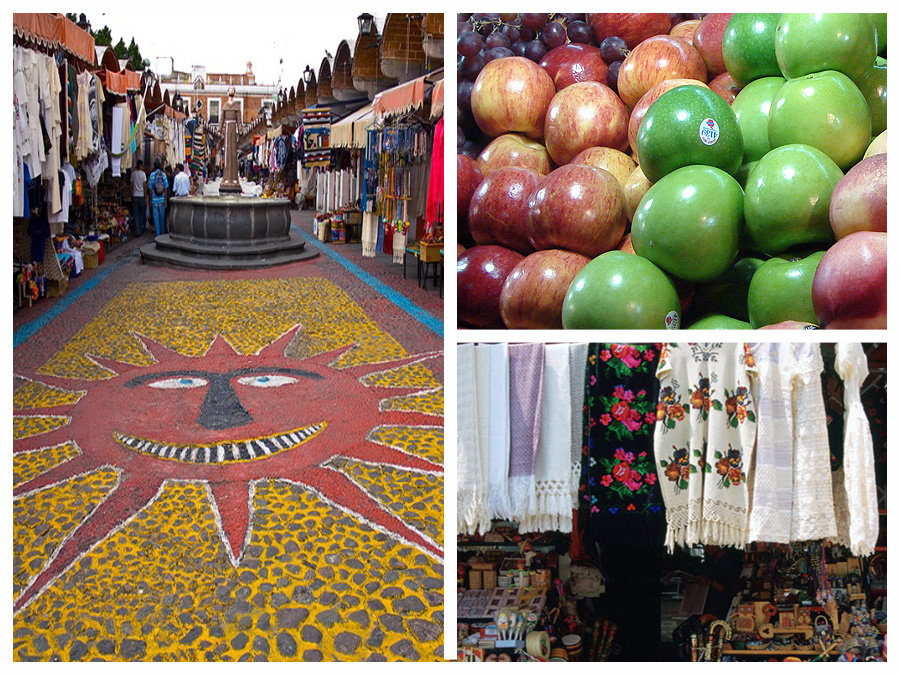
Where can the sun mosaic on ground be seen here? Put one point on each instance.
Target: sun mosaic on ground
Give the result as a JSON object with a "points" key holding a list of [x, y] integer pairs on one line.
{"points": [[288, 545]]}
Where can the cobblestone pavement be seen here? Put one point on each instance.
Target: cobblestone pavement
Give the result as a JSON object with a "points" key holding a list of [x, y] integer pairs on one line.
{"points": [[229, 466]]}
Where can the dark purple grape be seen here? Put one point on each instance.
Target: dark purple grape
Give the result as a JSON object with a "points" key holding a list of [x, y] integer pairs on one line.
{"points": [[535, 50], [509, 17], [553, 35], [572, 17], [462, 27], [463, 17], [612, 75], [485, 23], [464, 94], [460, 137], [518, 48], [511, 32], [498, 53], [580, 32], [469, 43], [676, 18], [527, 33], [497, 40], [534, 20], [613, 49], [470, 66], [470, 149]]}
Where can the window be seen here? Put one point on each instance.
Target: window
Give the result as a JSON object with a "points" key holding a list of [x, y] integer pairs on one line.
{"points": [[213, 110]]}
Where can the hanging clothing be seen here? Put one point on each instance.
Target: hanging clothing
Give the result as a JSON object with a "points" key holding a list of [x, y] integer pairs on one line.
{"points": [[859, 457], [791, 483], [471, 447], [619, 488], [552, 463], [577, 358], [526, 371], [434, 210], [703, 442], [499, 504]]}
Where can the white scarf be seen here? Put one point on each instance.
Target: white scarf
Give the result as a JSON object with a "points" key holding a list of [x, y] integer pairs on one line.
{"points": [[498, 434], [577, 365], [471, 458], [552, 467]]}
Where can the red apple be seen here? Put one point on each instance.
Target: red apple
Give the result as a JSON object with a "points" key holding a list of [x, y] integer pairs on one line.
{"points": [[574, 62], [786, 325], [633, 28], [626, 245], [578, 208], [514, 150], [615, 161], [655, 60], [584, 115], [657, 90], [685, 30], [708, 41], [725, 86], [534, 291], [635, 188], [468, 177], [849, 288], [460, 249], [512, 94], [480, 274], [498, 212], [859, 200]]}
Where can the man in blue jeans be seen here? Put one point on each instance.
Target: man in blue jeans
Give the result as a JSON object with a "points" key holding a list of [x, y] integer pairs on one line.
{"points": [[158, 186]]}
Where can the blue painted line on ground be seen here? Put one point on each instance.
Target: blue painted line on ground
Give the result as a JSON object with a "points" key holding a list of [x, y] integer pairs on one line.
{"points": [[432, 323], [32, 327]]}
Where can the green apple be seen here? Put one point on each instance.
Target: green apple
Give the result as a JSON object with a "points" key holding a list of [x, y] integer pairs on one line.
{"points": [[689, 125], [880, 21], [873, 86], [787, 198], [751, 107], [621, 290], [748, 47], [727, 295], [811, 43], [689, 223], [719, 322], [743, 174], [781, 290], [824, 110]]}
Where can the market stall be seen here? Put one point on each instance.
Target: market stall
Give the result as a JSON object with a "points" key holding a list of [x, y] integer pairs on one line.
{"points": [[671, 502], [81, 121]]}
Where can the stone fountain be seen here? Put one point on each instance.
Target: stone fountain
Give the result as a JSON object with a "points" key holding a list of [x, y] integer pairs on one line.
{"points": [[229, 230]]}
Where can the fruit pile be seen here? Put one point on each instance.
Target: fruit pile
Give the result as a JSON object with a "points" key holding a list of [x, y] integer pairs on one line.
{"points": [[672, 170]]}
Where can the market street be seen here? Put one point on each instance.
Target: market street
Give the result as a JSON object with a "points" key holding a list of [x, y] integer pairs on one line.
{"points": [[241, 465]]}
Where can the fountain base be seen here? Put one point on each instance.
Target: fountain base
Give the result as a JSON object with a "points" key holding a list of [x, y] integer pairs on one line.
{"points": [[228, 232]]}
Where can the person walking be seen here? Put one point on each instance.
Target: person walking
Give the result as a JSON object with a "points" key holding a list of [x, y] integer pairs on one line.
{"points": [[139, 198], [159, 189], [181, 186]]}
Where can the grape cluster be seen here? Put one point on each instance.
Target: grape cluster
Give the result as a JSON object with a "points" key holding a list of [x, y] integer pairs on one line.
{"points": [[483, 37]]}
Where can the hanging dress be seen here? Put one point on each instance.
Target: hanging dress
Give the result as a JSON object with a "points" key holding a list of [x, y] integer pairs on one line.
{"points": [[859, 457], [703, 442]]}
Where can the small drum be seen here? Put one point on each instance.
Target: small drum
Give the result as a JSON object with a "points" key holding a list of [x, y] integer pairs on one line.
{"points": [[573, 645]]}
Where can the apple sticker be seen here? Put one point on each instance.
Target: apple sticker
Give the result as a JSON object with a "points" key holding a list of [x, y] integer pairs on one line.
{"points": [[709, 131], [673, 321]]}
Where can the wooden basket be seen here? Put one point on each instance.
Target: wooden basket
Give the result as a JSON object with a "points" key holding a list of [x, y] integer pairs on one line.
{"points": [[430, 251]]}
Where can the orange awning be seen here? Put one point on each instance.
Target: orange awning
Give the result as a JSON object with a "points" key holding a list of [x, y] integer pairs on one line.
{"points": [[113, 82], [437, 99], [403, 98], [55, 31]]}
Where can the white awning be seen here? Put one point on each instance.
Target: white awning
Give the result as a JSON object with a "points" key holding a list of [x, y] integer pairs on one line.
{"points": [[350, 132]]}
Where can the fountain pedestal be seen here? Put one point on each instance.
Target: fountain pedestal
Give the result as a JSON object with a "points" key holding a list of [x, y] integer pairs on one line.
{"points": [[228, 232]]}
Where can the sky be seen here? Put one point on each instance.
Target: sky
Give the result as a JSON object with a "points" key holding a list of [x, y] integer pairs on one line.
{"points": [[280, 40]]}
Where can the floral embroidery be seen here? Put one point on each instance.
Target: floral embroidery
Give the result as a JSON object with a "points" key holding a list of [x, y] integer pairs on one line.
{"points": [[730, 467], [737, 406], [627, 474], [678, 468], [701, 398]]}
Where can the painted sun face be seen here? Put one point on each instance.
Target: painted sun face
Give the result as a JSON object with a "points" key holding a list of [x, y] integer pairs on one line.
{"points": [[226, 419]]}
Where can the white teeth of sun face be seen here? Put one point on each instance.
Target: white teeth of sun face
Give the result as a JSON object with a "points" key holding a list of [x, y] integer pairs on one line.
{"points": [[221, 453]]}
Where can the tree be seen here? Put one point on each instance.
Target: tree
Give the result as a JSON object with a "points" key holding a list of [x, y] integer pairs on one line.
{"points": [[102, 37]]}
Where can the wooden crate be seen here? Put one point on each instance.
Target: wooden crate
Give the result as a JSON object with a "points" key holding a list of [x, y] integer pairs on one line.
{"points": [[91, 259], [57, 287]]}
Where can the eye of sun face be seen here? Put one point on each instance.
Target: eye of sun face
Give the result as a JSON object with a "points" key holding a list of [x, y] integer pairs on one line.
{"points": [[179, 383], [266, 381]]}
